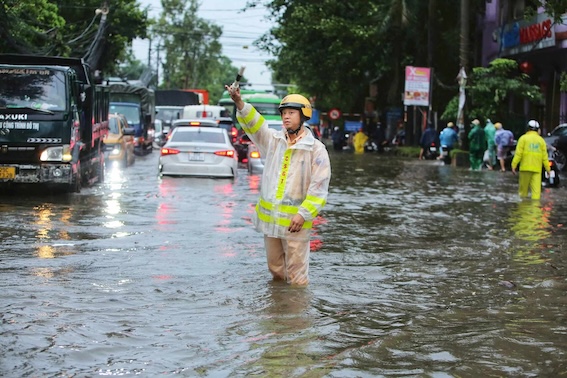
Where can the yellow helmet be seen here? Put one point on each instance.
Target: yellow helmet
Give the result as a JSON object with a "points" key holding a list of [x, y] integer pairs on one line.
{"points": [[297, 101], [498, 125]]}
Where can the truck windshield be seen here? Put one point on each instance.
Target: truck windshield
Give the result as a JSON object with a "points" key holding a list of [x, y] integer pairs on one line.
{"points": [[32, 88], [132, 113]]}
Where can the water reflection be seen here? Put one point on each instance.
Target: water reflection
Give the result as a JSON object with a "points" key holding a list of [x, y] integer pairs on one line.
{"points": [[529, 221], [285, 334]]}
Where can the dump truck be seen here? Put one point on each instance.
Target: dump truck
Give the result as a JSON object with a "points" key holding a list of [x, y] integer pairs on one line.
{"points": [[53, 118]]}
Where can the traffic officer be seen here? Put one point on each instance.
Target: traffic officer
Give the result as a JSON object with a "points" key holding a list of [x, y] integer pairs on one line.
{"points": [[294, 186], [531, 155]]}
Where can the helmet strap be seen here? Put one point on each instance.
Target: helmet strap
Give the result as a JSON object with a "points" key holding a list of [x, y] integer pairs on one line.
{"points": [[296, 131], [301, 122]]}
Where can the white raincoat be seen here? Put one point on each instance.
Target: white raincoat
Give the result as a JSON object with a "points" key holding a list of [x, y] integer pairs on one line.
{"points": [[295, 179]]}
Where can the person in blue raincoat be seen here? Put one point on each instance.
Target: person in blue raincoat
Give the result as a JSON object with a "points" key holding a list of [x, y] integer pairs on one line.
{"points": [[294, 187], [448, 137]]}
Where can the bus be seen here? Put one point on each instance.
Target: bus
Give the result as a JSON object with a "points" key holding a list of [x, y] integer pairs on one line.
{"points": [[265, 102]]}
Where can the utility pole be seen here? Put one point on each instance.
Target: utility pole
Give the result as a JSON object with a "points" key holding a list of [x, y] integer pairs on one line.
{"points": [[157, 66], [464, 46]]}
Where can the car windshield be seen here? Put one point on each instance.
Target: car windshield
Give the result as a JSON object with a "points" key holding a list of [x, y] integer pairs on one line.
{"points": [[32, 88], [130, 112], [266, 109], [168, 114], [197, 135], [560, 131], [113, 125]]}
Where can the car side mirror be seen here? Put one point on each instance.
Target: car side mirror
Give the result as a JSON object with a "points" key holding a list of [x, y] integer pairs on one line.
{"points": [[129, 131]]}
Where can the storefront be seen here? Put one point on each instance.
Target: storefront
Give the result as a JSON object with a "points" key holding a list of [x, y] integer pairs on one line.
{"points": [[539, 46]]}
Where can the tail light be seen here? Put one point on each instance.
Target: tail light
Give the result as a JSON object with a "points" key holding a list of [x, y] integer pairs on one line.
{"points": [[169, 151], [234, 132], [551, 163], [255, 155], [227, 153]]}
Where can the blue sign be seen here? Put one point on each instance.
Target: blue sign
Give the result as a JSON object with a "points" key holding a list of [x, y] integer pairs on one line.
{"points": [[353, 125], [314, 118]]}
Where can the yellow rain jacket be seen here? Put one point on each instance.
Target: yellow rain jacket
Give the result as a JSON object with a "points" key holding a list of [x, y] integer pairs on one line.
{"points": [[295, 179], [531, 153], [359, 140]]}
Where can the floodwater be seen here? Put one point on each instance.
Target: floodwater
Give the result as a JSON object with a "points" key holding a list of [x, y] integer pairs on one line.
{"points": [[417, 270]]}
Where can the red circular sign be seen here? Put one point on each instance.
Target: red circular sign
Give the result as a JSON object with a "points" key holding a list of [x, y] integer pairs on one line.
{"points": [[334, 114]]}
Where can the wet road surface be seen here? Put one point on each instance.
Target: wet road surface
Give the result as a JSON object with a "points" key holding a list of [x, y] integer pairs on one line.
{"points": [[417, 270]]}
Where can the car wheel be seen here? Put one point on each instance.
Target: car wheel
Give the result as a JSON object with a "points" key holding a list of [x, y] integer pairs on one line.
{"points": [[560, 160]]}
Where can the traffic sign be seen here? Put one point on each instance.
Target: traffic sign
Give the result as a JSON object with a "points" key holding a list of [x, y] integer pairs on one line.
{"points": [[334, 114]]}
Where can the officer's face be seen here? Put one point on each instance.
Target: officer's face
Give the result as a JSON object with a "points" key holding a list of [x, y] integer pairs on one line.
{"points": [[291, 118]]}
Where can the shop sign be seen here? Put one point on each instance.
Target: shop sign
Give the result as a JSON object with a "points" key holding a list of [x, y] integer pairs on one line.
{"points": [[524, 36], [417, 86]]}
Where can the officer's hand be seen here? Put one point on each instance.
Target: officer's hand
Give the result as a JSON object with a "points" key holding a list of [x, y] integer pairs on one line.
{"points": [[296, 223], [233, 92], [513, 171]]}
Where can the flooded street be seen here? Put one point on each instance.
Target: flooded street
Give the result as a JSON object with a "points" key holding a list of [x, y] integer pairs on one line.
{"points": [[417, 270]]}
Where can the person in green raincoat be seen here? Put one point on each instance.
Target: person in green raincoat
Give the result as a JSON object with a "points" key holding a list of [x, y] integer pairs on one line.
{"points": [[477, 145], [489, 133]]}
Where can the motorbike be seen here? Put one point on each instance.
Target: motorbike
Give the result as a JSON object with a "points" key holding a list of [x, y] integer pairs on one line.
{"points": [[445, 154], [551, 179], [431, 152]]}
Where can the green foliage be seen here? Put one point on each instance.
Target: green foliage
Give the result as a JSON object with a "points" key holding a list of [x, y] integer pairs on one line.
{"points": [[29, 26], [563, 82], [69, 28], [193, 53], [490, 88]]}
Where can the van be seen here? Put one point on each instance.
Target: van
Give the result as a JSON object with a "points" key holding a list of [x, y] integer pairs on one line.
{"points": [[204, 111]]}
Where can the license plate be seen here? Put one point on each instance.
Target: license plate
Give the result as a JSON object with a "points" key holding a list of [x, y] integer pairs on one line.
{"points": [[7, 172], [196, 156], [432, 148]]}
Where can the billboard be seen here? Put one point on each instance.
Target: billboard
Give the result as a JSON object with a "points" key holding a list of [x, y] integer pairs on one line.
{"points": [[417, 87]]}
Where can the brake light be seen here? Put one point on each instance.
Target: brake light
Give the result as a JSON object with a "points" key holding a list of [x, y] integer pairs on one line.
{"points": [[551, 163], [193, 123], [255, 154], [227, 153], [234, 131], [169, 151]]}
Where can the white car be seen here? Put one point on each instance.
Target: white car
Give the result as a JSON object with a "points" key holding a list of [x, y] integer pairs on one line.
{"points": [[255, 163], [198, 151]]}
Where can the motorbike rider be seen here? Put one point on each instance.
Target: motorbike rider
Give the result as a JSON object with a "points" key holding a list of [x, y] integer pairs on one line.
{"points": [[294, 185], [531, 155], [448, 138], [338, 139], [428, 138]]}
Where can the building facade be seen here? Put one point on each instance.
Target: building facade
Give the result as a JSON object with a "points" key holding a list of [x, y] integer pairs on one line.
{"points": [[539, 45]]}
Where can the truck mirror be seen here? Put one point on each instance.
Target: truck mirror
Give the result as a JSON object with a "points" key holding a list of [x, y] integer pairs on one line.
{"points": [[129, 131]]}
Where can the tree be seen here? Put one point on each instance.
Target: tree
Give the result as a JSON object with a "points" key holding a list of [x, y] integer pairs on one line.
{"points": [[29, 26], [193, 53], [69, 27], [491, 88]]}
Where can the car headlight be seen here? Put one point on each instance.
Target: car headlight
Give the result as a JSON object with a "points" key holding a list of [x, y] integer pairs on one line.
{"points": [[115, 150], [59, 153]]}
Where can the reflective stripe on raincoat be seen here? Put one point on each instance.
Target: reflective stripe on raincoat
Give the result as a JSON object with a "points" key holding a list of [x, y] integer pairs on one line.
{"points": [[295, 179], [531, 153]]}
